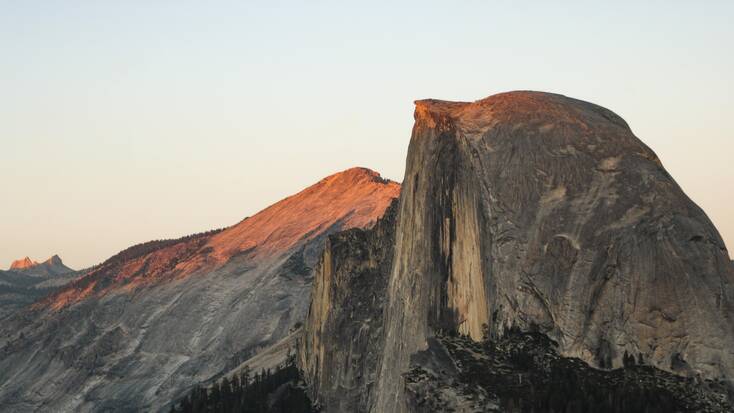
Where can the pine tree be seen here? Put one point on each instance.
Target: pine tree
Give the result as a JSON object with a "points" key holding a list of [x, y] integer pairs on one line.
{"points": [[236, 384], [226, 390], [215, 398]]}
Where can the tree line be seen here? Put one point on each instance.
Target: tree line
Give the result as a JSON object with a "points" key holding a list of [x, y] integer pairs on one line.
{"points": [[275, 391]]}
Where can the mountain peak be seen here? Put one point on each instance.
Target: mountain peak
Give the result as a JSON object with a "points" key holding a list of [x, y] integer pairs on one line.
{"points": [[23, 263], [54, 260], [355, 197], [52, 266], [356, 173]]}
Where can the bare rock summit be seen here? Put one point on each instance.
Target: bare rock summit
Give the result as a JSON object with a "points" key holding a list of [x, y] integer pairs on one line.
{"points": [[22, 264]]}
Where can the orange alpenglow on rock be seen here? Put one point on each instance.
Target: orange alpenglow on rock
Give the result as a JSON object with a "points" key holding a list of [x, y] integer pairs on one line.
{"points": [[353, 198], [159, 311], [22, 264], [356, 197]]}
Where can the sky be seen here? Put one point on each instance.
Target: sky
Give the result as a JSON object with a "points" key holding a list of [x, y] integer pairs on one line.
{"points": [[122, 122]]}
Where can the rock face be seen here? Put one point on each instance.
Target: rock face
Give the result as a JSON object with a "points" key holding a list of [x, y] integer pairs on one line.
{"points": [[22, 264], [139, 330], [50, 267], [539, 212], [342, 334]]}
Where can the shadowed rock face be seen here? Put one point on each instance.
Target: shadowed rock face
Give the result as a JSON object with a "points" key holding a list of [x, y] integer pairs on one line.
{"points": [[539, 212], [522, 372], [137, 331], [342, 334]]}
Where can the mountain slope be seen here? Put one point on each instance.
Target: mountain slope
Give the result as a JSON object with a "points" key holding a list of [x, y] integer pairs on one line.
{"points": [[27, 281], [140, 329], [536, 212]]}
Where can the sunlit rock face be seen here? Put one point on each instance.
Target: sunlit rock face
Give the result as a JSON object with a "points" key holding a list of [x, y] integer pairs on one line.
{"points": [[544, 212], [50, 267], [137, 331], [352, 198], [22, 264]]}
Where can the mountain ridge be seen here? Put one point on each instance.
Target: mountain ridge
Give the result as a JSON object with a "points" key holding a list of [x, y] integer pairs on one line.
{"points": [[28, 281], [140, 330], [22, 263], [272, 230], [51, 266]]}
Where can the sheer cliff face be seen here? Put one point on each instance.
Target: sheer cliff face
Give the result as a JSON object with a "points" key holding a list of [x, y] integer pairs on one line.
{"points": [[139, 330], [342, 335], [544, 212]]}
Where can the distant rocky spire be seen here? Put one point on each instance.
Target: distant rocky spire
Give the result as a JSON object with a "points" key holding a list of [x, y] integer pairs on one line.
{"points": [[52, 266], [22, 263]]}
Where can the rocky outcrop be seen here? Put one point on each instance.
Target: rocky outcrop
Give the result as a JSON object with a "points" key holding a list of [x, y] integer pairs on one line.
{"points": [[22, 264], [50, 267], [137, 331], [539, 212], [342, 335]]}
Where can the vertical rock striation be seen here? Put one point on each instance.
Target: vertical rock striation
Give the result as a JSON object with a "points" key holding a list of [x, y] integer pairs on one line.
{"points": [[342, 334], [546, 213], [537, 212]]}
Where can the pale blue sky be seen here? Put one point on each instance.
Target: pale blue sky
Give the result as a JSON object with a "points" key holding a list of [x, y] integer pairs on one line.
{"points": [[122, 122]]}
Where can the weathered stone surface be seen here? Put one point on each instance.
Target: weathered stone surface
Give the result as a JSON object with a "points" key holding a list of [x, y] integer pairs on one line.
{"points": [[342, 335], [138, 331], [544, 212], [540, 212]]}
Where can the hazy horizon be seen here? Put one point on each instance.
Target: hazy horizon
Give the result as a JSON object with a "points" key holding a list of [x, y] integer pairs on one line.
{"points": [[123, 123]]}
